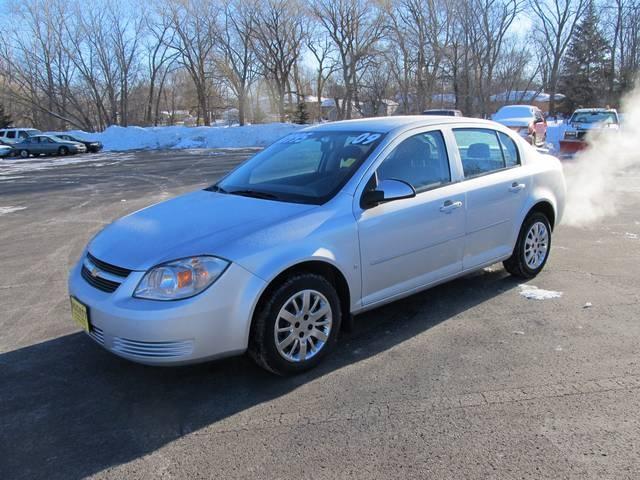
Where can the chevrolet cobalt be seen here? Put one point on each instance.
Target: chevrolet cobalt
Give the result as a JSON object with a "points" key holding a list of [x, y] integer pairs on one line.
{"points": [[325, 223]]}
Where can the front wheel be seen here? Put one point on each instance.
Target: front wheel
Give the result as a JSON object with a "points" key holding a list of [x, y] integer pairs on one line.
{"points": [[63, 151], [297, 325], [532, 248], [24, 153]]}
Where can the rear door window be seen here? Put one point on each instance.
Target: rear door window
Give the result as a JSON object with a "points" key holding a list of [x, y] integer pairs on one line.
{"points": [[509, 150], [483, 151]]}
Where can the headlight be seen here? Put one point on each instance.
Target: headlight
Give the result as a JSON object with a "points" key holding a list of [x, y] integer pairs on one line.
{"points": [[181, 278]]}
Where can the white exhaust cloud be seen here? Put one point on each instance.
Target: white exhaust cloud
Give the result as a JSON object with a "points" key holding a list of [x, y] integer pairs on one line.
{"points": [[592, 176]]}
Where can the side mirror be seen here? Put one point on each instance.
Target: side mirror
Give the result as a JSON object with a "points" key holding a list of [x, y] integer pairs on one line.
{"points": [[387, 191]]}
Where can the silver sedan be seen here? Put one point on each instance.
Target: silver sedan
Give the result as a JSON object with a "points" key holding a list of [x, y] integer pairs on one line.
{"points": [[324, 224]]}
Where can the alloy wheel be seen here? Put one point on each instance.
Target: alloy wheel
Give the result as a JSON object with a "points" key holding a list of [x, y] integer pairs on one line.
{"points": [[303, 326], [536, 245]]}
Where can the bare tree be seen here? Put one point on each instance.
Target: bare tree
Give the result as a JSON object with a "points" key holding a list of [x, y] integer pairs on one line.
{"points": [[235, 58], [160, 59], [322, 49], [356, 27], [279, 34], [554, 23], [193, 22]]}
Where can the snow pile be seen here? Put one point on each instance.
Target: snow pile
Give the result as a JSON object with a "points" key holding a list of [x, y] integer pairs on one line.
{"points": [[138, 138], [534, 293], [555, 133]]}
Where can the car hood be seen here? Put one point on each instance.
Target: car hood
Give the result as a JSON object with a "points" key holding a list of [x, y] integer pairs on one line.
{"points": [[515, 122], [592, 126], [197, 223]]}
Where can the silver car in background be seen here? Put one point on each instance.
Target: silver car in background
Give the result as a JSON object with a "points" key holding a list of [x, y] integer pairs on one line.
{"points": [[324, 224], [47, 145]]}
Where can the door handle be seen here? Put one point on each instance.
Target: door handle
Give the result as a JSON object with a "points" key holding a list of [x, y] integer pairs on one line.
{"points": [[516, 187], [450, 206]]}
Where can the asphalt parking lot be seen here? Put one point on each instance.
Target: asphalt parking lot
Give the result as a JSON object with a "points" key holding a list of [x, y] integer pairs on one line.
{"points": [[468, 380]]}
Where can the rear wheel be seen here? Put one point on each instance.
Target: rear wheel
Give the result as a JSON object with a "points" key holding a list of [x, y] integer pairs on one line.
{"points": [[63, 151], [532, 248], [297, 325], [24, 153]]}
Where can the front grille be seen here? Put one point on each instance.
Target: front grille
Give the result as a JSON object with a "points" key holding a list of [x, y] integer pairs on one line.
{"points": [[153, 349], [97, 334], [98, 282], [107, 267], [103, 275]]}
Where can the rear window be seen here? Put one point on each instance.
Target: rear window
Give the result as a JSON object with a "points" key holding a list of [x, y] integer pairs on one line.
{"points": [[515, 111]]}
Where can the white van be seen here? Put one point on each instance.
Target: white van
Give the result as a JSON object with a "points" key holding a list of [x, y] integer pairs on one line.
{"points": [[15, 135]]}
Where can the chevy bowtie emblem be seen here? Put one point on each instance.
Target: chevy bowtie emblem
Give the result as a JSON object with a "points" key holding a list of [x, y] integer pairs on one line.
{"points": [[94, 272]]}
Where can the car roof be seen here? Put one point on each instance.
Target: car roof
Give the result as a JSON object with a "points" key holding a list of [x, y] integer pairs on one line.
{"points": [[518, 106], [594, 110], [388, 124]]}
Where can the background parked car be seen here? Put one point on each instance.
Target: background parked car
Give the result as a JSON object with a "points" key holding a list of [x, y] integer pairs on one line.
{"points": [[15, 135], [583, 121], [93, 146], [443, 111], [527, 120], [47, 145]]}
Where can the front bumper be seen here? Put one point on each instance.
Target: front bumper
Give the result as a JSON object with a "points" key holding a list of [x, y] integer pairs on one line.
{"points": [[210, 325]]}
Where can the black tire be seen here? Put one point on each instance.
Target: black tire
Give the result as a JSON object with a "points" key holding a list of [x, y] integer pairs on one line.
{"points": [[516, 264], [62, 151], [262, 341], [24, 153]]}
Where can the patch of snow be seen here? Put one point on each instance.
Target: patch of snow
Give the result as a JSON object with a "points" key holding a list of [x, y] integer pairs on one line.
{"points": [[518, 332], [534, 293], [558, 348], [630, 235], [587, 305], [5, 210], [555, 132]]}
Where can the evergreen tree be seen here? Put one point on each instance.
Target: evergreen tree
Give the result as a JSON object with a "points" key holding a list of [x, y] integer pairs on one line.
{"points": [[301, 115], [585, 70], [5, 119]]}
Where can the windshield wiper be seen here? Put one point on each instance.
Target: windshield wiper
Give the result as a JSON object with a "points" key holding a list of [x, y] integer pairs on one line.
{"points": [[216, 188], [254, 194]]}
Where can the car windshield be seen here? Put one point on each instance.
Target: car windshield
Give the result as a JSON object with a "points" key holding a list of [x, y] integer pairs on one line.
{"points": [[305, 167], [518, 111], [594, 117]]}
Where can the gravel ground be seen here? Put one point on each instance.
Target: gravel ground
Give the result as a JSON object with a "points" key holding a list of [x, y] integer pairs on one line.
{"points": [[468, 380]]}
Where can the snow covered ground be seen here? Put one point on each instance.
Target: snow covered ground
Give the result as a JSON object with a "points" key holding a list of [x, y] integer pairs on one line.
{"points": [[136, 138]]}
